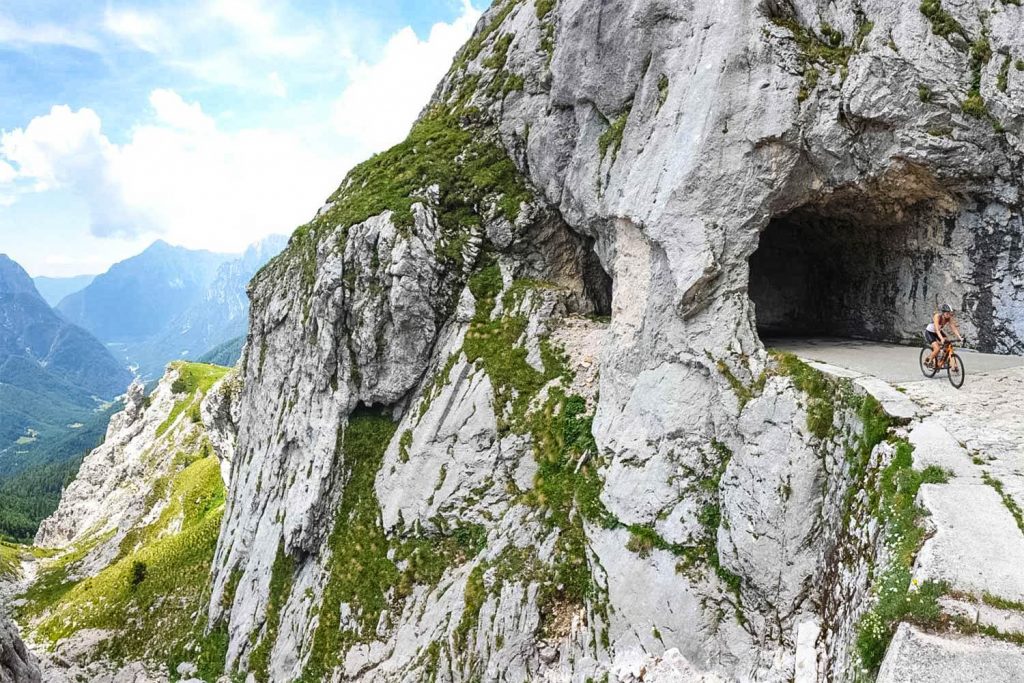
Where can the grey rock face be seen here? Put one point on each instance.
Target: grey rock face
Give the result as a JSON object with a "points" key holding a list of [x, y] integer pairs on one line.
{"points": [[732, 166], [17, 665]]}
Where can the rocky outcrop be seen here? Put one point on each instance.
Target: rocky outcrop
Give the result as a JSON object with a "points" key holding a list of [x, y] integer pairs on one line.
{"points": [[129, 548], [653, 148], [17, 665], [505, 412]]}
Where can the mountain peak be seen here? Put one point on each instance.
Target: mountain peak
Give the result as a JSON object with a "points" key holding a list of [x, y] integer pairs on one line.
{"points": [[159, 245], [13, 278]]}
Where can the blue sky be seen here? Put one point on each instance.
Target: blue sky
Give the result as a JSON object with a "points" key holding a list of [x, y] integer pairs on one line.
{"points": [[206, 123]]}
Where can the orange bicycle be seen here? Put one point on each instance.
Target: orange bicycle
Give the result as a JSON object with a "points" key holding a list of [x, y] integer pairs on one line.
{"points": [[948, 360]]}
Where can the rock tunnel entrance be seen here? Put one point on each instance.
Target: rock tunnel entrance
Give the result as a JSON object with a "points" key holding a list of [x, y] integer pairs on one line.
{"points": [[859, 264]]}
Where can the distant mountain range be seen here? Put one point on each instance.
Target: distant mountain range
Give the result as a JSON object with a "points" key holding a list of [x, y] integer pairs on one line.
{"points": [[53, 289], [138, 297], [55, 377], [169, 303], [219, 314]]}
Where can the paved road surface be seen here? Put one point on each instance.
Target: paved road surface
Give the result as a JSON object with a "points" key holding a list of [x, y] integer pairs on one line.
{"points": [[890, 362]]}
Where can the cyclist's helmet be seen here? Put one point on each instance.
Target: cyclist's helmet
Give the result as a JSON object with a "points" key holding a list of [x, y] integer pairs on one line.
{"points": [[946, 308]]}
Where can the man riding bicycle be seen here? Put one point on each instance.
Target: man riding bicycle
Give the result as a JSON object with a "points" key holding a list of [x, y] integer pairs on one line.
{"points": [[935, 333]]}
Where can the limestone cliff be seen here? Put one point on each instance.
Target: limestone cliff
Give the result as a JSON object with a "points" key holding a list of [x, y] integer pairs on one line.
{"points": [[17, 665], [453, 464], [504, 411]]}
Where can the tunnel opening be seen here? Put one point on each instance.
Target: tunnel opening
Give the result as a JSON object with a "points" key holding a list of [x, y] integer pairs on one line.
{"points": [[597, 284], [858, 264]]}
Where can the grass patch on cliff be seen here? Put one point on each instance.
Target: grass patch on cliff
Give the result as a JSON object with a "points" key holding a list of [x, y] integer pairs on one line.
{"points": [[824, 49], [368, 572], [359, 569], [11, 555], [568, 486], [493, 344], [897, 597], [943, 23], [141, 596], [193, 382], [819, 390], [465, 164], [611, 139], [282, 577]]}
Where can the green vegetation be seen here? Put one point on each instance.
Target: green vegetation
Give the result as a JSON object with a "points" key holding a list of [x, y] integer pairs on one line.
{"points": [[1002, 603], [499, 53], [361, 574], [30, 496], [824, 50], [1003, 78], [10, 559], [225, 354], [282, 575], [360, 571], [891, 499], [662, 90], [147, 573], [924, 93], [898, 597], [742, 391], [566, 486], [544, 8], [193, 382], [437, 383], [492, 344], [547, 40], [475, 46], [820, 391], [469, 167], [943, 23], [611, 139], [1007, 499], [569, 490], [981, 54]]}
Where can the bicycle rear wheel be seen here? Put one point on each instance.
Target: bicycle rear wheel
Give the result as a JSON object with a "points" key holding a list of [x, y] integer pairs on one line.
{"points": [[955, 370], [927, 370]]}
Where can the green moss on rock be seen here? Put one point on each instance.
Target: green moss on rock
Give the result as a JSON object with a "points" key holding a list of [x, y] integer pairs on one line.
{"points": [[611, 138], [282, 577]]}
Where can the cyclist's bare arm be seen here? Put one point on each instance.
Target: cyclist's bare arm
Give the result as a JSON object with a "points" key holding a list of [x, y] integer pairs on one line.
{"points": [[952, 325]]}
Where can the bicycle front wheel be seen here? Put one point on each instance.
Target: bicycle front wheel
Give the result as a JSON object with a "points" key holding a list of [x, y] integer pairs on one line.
{"points": [[955, 370], [927, 370]]}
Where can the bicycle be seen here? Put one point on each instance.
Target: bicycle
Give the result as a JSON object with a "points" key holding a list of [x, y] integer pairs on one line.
{"points": [[948, 360]]}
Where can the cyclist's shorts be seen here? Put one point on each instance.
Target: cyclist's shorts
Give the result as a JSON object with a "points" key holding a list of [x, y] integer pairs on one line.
{"points": [[930, 336]]}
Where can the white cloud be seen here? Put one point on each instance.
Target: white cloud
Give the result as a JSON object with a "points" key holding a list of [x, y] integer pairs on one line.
{"points": [[173, 111], [144, 31], [66, 148], [245, 44], [13, 33], [7, 172], [383, 98], [179, 176], [182, 175]]}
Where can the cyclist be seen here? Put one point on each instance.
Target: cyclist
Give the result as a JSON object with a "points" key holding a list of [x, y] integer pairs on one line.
{"points": [[935, 334]]}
